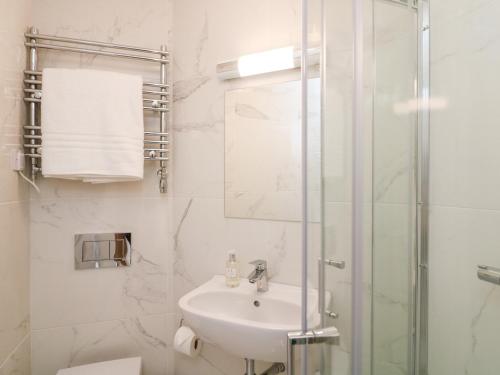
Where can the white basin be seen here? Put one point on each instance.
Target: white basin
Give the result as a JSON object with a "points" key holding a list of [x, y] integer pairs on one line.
{"points": [[230, 319]]}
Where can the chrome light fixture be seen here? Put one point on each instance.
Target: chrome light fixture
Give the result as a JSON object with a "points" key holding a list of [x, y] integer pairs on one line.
{"points": [[269, 61]]}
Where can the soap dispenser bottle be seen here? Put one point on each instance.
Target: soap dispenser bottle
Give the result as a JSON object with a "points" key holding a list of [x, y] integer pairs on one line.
{"points": [[232, 270]]}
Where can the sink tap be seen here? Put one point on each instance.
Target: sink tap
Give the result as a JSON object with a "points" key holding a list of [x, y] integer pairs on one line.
{"points": [[259, 275]]}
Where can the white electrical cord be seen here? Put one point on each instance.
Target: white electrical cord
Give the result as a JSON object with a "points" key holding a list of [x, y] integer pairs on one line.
{"points": [[32, 183]]}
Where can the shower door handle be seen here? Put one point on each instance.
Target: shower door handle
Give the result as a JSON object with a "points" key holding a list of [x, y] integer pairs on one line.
{"points": [[489, 274], [329, 335]]}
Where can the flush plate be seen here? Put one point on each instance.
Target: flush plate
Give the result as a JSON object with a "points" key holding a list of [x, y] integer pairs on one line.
{"points": [[102, 250]]}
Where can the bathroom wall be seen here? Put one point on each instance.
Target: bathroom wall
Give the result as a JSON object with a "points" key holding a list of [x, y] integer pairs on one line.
{"points": [[465, 187], [14, 198], [207, 33], [86, 316]]}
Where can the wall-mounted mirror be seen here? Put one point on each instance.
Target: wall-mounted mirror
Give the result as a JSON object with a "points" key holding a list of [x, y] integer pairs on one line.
{"points": [[262, 152]]}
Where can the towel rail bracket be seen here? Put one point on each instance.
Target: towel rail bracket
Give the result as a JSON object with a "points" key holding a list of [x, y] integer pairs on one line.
{"points": [[155, 95]]}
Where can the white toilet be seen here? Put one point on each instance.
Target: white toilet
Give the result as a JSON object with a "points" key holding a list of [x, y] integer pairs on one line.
{"points": [[126, 366]]}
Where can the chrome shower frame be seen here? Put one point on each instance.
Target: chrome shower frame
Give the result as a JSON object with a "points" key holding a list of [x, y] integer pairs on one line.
{"points": [[423, 157]]}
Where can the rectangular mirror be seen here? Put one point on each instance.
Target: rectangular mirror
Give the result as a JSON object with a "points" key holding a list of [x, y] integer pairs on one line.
{"points": [[262, 152]]}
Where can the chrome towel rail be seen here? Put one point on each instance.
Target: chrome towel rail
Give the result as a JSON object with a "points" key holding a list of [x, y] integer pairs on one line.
{"points": [[156, 94], [35, 35]]}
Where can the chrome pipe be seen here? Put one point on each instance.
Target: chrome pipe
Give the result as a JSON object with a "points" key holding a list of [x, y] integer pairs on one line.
{"points": [[152, 92], [160, 150], [155, 141], [33, 81], [152, 108], [163, 120], [32, 100], [290, 357], [33, 64], [55, 38], [153, 84], [33, 72], [32, 136], [421, 258], [146, 108], [160, 109], [155, 133], [148, 92], [304, 230], [34, 156], [159, 158], [159, 101], [92, 52], [146, 133], [358, 176], [39, 82], [250, 366]]}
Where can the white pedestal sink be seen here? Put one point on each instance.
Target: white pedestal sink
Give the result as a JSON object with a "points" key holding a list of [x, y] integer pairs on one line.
{"points": [[246, 323]]}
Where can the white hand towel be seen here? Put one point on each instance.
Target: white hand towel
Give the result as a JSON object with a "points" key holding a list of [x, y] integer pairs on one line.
{"points": [[92, 125]]}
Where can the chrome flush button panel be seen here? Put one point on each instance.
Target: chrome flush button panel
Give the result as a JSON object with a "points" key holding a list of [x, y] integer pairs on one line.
{"points": [[102, 250]]}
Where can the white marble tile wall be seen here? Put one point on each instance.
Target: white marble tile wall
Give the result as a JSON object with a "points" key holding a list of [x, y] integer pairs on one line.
{"points": [[207, 33], [14, 198], [86, 316], [465, 199]]}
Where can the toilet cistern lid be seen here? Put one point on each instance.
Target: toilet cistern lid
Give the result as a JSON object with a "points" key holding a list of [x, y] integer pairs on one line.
{"points": [[126, 366]]}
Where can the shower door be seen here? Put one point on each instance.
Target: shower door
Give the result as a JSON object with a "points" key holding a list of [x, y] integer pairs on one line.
{"points": [[363, 255], [327, 246], [369, 177], [394, 171], [341, 264]]}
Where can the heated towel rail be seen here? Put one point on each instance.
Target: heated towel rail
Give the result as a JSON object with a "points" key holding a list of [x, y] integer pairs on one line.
{"points": [[155, 94]]}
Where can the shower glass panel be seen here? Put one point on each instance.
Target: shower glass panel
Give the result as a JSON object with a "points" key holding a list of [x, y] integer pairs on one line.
{"points": [[339, 181], [367, 235], [394, 186], [337, 85]]}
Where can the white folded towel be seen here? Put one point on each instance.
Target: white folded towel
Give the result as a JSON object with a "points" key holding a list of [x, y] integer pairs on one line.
{"points": [[92, 125]]}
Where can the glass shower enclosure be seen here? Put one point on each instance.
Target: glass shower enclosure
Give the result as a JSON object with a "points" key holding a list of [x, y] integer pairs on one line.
{"points": [[369, 254], [409, 242]]}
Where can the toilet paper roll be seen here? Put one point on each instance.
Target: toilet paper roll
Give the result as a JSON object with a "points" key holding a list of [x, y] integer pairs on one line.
{"points": [[186, 342]]}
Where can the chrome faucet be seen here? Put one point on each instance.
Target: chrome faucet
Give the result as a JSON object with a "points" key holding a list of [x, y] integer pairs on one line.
{"points": [[259, 275]]}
